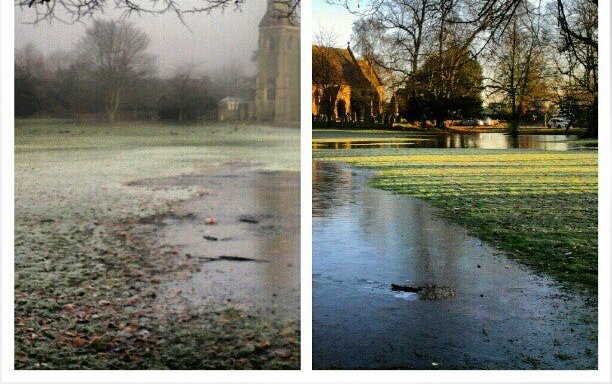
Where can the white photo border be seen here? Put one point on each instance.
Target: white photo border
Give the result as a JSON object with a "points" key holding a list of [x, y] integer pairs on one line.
{"points": [[306, 374]]}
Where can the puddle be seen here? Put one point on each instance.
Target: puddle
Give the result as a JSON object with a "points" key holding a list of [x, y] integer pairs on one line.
{"points": [[250, 256], [355, 140], [493, 313]]}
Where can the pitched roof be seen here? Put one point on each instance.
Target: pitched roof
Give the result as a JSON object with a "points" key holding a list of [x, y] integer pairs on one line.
{"points": [[356, 73], [368, 71]]}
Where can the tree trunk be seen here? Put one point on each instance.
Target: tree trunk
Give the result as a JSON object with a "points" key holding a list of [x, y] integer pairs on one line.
{"points": [[592, 127], [513, 128], [112, 106]]}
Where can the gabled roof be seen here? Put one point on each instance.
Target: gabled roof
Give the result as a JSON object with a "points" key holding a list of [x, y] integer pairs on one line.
{"points": [[368, 71], [356, 73]]}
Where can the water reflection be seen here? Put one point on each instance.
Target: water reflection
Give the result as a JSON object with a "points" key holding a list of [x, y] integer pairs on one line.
{"points": [[271, 199], [277, 196], [454, 140], [365, 239], [332, 188]]}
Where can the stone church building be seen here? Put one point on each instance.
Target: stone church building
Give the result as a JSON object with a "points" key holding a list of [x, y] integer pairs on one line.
{"points": [[360, 92], [277, 97]]}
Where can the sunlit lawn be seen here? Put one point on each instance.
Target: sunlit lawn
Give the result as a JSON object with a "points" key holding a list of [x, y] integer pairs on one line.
{"points": [[539, 207]]}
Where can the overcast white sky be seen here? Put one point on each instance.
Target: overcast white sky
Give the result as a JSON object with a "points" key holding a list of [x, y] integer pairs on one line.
{"points": [[334, 19], [213, 41]]}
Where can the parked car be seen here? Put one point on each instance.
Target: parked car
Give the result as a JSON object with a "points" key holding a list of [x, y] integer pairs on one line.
{"points": [[558, 122]]}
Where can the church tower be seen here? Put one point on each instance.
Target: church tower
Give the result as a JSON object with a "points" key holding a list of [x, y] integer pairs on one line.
{"points": [[277, 97]]}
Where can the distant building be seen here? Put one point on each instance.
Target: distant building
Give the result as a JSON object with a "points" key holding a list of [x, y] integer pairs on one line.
{"points": [[234, 109], [277, 97], [361, 94]]}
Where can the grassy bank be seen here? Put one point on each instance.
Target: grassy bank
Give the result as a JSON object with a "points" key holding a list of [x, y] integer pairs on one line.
{"points": [[540, 207], [410, 128], [88, 283]]}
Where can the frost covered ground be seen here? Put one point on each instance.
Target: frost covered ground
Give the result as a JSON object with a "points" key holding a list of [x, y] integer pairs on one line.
{"points": [[86, 280]]}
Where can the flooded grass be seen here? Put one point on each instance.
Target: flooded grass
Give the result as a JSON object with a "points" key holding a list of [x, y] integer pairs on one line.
{"points": [[87, 285], [540, 207]]}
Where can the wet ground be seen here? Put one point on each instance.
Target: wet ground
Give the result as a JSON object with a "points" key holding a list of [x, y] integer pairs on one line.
{"points": [[491, 313], [92, 281], [244, 231], [333, 139]]}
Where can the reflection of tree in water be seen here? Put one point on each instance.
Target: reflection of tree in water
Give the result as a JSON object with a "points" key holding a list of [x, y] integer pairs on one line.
{"points": [[410, 226], [504, 141], [277, 194], [332, 187], [390, 220]]}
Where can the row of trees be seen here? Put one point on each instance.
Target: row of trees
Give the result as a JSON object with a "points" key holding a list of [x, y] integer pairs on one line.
{"points": [[111, 72], [439, 56]]}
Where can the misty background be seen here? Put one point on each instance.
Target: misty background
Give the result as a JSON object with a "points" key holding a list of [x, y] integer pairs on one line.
{"points": [[178, 69], [206, 41]]}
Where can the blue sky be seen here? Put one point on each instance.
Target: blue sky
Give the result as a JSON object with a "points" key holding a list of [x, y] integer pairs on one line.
{"points": [[332, 18]]}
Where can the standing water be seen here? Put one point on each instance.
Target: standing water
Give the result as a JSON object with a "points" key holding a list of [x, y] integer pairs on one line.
{"points": [[335, 139], [492, 313]]}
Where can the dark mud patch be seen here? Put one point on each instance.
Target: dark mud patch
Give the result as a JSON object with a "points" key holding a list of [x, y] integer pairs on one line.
{"points": [[207, 259], [427, 292], [165, 218], [240, 258]]}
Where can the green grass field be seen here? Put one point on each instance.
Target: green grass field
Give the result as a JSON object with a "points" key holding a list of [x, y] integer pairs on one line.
{"points": [[86, 288], [539, 207]]}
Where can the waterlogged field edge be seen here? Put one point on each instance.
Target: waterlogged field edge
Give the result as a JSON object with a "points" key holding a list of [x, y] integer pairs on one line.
{"points": [[538, 206]]}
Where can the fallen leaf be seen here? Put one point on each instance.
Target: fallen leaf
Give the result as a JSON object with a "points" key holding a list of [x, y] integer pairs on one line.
{"points": [[22, 358], [78, 341]]}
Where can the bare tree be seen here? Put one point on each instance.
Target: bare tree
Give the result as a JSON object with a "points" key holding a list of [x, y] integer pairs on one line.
{"points": [[30, 80], [30, 61], [520, 67], [578, 26], [115, 54], [397, 36], [394, 33], [75, 10]]}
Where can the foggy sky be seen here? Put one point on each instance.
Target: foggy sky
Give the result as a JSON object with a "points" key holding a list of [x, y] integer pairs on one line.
{"points": [[214, 40]]}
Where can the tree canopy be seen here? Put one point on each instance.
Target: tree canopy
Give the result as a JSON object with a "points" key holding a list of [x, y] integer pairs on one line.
{"points": [[446, 85], [115, 54]]}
